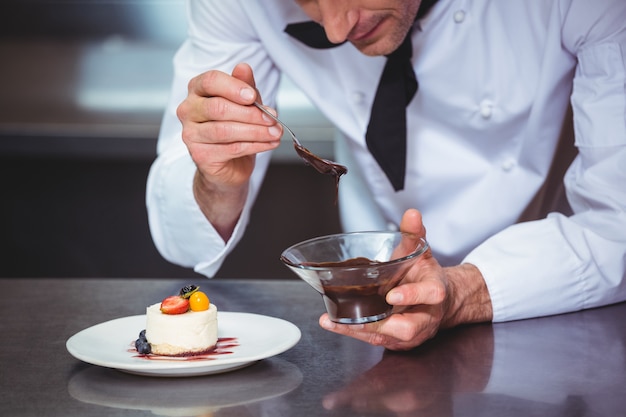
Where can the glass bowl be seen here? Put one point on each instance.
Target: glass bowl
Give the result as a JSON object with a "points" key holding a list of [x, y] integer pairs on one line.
{"points": [[354, 271]]}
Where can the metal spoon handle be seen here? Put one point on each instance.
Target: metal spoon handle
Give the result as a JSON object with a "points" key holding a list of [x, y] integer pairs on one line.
{"points": [[322, 165], [264, 110]]}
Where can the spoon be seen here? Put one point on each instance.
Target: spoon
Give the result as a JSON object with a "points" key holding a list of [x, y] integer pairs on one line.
{"points": [[323, 166]]}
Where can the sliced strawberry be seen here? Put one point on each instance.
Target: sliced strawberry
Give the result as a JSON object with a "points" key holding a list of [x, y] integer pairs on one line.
{"points": [[174, 304]]}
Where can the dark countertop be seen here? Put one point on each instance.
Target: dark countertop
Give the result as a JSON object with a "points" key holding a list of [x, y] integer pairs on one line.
{"points": [[568, 365]]}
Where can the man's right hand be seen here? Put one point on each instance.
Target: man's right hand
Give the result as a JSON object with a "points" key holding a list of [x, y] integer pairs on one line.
{"points": [[223, 134]]}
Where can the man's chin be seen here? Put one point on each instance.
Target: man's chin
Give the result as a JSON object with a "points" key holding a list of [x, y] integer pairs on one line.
{"points": [[375, 49]]}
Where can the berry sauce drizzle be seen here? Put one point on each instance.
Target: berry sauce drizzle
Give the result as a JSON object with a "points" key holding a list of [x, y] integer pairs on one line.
{"points": [[223, 346]]}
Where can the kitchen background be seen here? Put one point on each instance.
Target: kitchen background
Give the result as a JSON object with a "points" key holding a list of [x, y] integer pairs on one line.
{"points": [[83, 87]]}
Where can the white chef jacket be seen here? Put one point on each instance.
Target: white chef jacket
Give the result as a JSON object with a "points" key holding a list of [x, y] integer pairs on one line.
{"points": [[495, 78]]}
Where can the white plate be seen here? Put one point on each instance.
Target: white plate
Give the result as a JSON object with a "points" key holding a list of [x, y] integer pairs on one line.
{"points": [[258, 337]]}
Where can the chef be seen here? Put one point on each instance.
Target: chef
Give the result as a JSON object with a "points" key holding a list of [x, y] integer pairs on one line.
{"points": [[450, 116]]}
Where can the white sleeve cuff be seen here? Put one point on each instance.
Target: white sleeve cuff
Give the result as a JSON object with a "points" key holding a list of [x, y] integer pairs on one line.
{"points": [[179, 229]]}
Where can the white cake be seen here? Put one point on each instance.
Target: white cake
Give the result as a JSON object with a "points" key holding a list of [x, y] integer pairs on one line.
{"points": [[181, 334]]}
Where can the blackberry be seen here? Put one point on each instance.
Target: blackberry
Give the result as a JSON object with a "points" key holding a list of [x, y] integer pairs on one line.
{"points": [[187, 290], [142, 346]]}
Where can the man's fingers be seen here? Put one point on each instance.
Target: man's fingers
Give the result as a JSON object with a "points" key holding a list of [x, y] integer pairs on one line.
{"points": [[412, 223], [396, 332], [244, 73], [196, 109], [428, 292], [413, 229], [366, 333], [219, 84], [230, 132]]}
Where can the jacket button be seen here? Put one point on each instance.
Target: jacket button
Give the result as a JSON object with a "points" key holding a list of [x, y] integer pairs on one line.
{"points": [[459, 16], [508, 164], [486, 109], [358, 97]]}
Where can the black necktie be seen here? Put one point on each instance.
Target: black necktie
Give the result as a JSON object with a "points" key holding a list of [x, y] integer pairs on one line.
{"points": [[386, 131]]}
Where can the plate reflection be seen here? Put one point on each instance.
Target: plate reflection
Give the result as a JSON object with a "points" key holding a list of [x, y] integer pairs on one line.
{"points": [[192, 396]]}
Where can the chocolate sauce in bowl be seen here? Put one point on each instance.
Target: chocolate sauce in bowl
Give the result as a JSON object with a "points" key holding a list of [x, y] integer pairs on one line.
{"points": [[355, 303], [354, 290], [348, 302], [358, 261]]}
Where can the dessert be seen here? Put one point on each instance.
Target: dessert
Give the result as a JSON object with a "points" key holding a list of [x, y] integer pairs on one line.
{"points": [[181, 325]]}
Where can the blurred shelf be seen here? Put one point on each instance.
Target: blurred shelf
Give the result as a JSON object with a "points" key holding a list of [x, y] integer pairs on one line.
{"points": [[93, 78]]}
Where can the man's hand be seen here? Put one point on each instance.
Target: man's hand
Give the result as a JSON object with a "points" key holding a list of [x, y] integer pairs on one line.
{"points": [[428, 299], [223, 134]]}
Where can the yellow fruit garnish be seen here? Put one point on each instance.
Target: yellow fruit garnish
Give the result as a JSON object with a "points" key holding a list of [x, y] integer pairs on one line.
{"points": [[199, 301]]}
